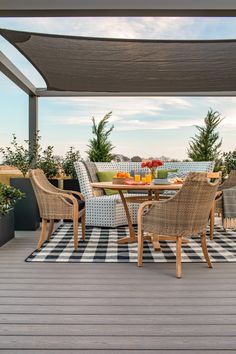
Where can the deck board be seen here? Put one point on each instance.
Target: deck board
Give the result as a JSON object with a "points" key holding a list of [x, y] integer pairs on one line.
{"points": [[113, 308]]}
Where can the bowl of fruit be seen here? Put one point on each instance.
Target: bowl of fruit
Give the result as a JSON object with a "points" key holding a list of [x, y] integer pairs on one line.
{"points": [[121, 178]]}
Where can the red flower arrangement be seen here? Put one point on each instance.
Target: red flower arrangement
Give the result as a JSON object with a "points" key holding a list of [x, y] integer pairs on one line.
{"points": [[152, 165]]}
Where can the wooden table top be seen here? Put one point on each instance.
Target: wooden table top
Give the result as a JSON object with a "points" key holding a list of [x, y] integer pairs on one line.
{"points": [[151, 186]]}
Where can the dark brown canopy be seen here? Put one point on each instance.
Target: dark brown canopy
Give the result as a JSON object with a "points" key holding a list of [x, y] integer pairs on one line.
{"points": [[80, 64]]}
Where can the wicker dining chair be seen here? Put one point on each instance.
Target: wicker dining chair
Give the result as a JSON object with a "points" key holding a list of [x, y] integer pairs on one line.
{"points": [[230, 182], [183, 215], [56, 204]]}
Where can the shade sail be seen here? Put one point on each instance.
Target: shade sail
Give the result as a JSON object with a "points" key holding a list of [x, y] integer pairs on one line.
{"points": [[81, 64]]}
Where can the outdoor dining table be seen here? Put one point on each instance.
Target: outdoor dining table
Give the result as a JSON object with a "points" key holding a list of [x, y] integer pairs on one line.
{"points": [[153, 194]]}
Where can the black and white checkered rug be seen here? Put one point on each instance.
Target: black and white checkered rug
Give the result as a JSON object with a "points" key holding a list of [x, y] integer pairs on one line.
{"points": [[101, 246]]}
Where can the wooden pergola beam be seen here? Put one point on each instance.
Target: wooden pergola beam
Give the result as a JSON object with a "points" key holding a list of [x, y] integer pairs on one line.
{"points": [[15, 75], [57, 8], [45, 93]]}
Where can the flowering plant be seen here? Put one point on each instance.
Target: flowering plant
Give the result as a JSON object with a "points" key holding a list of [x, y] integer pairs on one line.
{"points": [[152, 165]]}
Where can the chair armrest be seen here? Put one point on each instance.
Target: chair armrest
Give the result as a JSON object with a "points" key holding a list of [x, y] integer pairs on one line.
{"points": [[142, 211], [80, 195], [59, 190], [142, 208], [219, 194], [155, 215], [59, 193]]}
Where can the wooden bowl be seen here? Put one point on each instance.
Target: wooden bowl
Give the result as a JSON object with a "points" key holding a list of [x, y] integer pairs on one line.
{"points": [[119, 180]]}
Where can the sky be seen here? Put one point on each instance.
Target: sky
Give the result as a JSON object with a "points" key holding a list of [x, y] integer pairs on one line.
{"points": [[144, 126]]}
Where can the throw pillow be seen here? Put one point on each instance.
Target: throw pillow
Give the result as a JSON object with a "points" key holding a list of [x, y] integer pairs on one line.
{"points": [[164, 173], [92, 170], [106, 176]]}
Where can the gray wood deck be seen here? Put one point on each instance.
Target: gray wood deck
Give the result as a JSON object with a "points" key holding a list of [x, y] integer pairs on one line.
{"points": [[113, 308]]}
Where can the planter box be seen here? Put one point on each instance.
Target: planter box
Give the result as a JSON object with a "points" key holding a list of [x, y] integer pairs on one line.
{"points": [[26, 210], [6, 227], [54, 182], [71, 185]]}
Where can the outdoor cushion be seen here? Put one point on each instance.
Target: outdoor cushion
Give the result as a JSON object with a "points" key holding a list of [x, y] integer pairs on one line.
{"points": [[92, 170], [106, 176], [81, 203]]}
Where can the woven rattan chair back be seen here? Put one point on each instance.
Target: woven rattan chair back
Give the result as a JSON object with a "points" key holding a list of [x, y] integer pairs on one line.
{"points": [[50, 202], [187, 212], [229, 182]]}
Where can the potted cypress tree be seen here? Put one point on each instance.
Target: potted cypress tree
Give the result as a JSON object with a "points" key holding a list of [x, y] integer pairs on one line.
{"points": [[71, 182], [8, 198]]}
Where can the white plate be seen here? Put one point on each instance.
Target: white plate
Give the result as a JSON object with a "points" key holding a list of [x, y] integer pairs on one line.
{"points": [[161, 181]]}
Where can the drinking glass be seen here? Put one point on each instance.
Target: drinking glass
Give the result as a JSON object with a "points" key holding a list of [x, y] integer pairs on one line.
{"points": [[137, 178], [148, 178]]}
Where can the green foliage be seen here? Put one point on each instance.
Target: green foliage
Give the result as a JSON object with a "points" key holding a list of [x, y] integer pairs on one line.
{"points": [[21, 156], [205, 145], [8, 198], [25, 157], [68, 163], [100, 147], [230, 160], [220, 167], [49, 163]]}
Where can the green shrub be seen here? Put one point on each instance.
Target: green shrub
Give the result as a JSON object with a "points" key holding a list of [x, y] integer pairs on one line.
{"points": [[8, 198], [230, 160], [68, 162], [21, 156], [49, 163]]}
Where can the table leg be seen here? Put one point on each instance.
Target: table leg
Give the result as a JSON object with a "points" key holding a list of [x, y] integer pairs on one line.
{"points": [[157, 195], [132, 236]]}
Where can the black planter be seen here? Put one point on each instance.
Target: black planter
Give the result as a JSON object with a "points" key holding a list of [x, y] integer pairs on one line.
{"points": [[71, 185], [54, 182], [6, 227], [26, 210]]}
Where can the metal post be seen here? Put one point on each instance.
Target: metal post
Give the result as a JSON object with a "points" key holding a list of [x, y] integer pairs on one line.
{"points": [[33, 122]]}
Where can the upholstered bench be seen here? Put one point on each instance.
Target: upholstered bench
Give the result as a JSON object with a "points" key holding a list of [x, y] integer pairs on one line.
{"points": [[107, 210]]}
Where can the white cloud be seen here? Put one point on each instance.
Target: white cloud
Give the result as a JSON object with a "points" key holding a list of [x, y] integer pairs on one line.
{"points": [[120, 27], [132, 124], [136, 124], [124, 109], [229, 121]]}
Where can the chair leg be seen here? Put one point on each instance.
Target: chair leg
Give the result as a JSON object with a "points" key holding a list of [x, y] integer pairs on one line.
{"points": [[140, 246], [75, 232], [205, 250], [212, 221], [50, 230], [178, 257], [42, 234], [83, 226]]}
